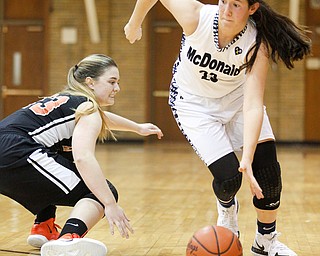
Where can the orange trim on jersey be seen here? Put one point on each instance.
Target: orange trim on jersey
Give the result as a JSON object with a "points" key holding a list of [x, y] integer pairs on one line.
{"points": [[46, 106]]}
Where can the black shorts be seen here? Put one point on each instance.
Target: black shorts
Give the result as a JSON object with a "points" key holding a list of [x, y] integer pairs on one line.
{"points": [[35, 177]]}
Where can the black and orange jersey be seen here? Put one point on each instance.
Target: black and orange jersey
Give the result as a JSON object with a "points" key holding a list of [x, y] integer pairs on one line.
{"points": [[49, 121]]}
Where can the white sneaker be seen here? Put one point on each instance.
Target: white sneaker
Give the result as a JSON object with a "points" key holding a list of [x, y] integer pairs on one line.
{"points": [[73, 245], [270, 246], [228, 217]]}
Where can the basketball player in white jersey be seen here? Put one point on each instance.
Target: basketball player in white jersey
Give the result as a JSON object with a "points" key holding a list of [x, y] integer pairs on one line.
{"points": [[216, 96], [47, 159]]}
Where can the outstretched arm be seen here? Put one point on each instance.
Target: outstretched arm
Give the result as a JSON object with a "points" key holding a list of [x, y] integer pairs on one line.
{"points": [[133, 29], [119, 123], [253, 116], [186, 12]]}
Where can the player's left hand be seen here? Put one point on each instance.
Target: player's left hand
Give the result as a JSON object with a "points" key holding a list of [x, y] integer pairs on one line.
{"points": [[146, 129], [246, 169]]}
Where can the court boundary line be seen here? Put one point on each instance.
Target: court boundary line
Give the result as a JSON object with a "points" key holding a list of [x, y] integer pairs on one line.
{"points": [[21, 252]]}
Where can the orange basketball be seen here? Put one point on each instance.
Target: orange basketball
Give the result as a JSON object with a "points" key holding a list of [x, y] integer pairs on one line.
{"points": [[214, 240]]}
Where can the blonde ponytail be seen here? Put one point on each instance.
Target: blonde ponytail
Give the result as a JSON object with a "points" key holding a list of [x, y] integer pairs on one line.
{"points": [[92, 66]]}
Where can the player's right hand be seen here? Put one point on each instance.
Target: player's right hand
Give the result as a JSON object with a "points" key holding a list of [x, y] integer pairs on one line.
{"points": [[132, 33]]}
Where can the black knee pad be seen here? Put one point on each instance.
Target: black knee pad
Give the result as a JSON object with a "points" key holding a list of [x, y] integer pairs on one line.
{"points": [[225, 168], [227, 189], [267, 172], [227, 178], [113, 190]]}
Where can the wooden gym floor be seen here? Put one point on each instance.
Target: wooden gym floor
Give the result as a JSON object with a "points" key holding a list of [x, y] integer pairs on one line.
{"points": [[166, 192]]}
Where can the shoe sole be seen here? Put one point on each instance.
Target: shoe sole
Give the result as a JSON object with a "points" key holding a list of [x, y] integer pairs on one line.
{"points": [[75, 247], [37, 240], [258, 252]]}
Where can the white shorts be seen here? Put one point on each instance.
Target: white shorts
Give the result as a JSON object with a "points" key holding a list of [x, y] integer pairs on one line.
{"points": [[213, 127]]}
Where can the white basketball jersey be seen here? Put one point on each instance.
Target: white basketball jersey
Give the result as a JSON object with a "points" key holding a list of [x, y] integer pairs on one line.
{"points": [[203, 68]]}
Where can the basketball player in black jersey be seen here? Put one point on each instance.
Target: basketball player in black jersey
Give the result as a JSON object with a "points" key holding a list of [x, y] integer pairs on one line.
{"points": [[47, 159]]}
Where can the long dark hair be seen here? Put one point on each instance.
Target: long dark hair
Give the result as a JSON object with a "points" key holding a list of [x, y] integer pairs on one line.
{"points": [[284, 39]]}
